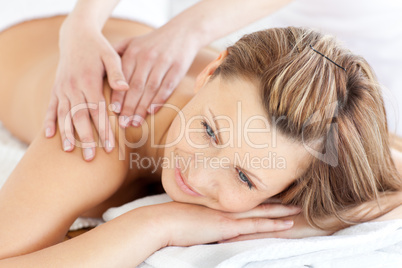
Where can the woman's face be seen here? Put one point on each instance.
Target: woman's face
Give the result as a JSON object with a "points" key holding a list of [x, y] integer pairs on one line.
{"points": [[227, 156]]}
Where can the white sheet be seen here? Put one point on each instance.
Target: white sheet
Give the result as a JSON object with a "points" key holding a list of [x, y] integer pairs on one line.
{"points": [[375, 244]]}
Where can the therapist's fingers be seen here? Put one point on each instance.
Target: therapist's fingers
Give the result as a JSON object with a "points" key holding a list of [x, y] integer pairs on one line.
{"points": [[114, 71], [98, 111], [65, 125], [151, 89], [121, 46], [127, 65], [82, 125], [117, 99], [51, 117], [169, 83], [135, 93], [130, 102]]}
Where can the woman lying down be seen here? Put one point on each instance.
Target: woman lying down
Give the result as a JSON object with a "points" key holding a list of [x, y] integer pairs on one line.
{"points": [[284, 115]]}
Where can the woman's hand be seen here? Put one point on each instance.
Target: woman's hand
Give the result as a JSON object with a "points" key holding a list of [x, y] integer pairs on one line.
{"points": [[300, 229], [182, 224], [85, 56], [154, 64]]}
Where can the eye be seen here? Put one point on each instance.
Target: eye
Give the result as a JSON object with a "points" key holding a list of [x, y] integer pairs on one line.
{"points": [[210, 132], [243, 178]]}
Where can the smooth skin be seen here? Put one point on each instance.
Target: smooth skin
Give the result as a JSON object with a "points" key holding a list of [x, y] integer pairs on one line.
{"points": [[151, 66], [49, 188]]}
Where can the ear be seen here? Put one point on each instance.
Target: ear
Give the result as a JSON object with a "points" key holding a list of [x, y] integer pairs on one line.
{"points": [[204, 76]]}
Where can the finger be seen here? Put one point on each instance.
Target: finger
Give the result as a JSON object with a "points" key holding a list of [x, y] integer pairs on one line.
{"points": [[117, 99], [98, 112], [127, 114], [82, 124], [121, 46], [51, 117], [261, 225], [114, 72], [134, 95], [269, 211], [128, 63], [280, 234], [169, 83], [151, 89], [65, 125]]}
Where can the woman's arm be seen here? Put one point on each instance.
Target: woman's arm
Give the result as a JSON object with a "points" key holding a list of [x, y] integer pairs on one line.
{"points": [[125, 241], [131, 238]]}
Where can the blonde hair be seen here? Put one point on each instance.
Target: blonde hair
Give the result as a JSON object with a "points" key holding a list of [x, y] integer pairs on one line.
{"points": [[340, 111]]}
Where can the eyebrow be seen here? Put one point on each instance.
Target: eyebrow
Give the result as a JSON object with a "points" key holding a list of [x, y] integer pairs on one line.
{"points": [[220, 138]]}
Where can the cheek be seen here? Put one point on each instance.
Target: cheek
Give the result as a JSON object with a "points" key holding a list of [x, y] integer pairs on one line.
{"points": [[238, 201]]}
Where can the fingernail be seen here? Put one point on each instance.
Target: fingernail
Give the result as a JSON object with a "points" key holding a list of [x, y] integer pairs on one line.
{"points": [[123, 121], [156, 109], [67, 145], [48, 132], [88, 153], [153, 109], [117, 107], [108, 146], [121, 83], [137, 120], [288, 222]]}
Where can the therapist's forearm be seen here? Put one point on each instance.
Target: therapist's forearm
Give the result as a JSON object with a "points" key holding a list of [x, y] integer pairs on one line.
{"points": [[212, 19], [93, 12]]}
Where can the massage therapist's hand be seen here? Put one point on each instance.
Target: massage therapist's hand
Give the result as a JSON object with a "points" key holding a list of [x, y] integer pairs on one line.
{"points": [[85, 57], [153, 64], [187, 224]]}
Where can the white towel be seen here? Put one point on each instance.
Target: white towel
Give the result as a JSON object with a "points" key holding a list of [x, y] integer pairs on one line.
{"points": [[374, 244]]}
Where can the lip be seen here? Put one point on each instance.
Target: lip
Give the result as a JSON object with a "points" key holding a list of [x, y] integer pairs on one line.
{"points": [[182, 183]]}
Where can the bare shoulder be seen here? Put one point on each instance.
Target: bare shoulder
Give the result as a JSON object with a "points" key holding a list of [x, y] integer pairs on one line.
{"points": [[203, 58]]}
